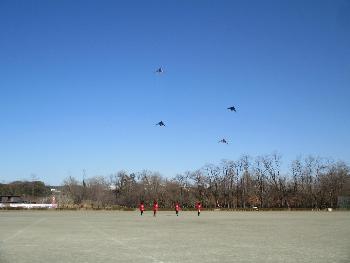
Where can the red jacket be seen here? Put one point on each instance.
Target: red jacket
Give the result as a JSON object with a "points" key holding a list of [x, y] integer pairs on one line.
{"points": [[177, 207], [142, 207], [155, 207], [198, 206]]}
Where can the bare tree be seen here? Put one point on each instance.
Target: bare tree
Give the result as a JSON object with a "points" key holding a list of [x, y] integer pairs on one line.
{"points": [[311, 183], [73, 190]]}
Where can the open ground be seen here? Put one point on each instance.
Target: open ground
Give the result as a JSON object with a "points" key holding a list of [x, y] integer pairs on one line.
{"points": [[109, 236]]}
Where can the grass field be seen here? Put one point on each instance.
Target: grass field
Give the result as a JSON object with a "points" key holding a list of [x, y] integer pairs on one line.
{"points": [[106, 236]]}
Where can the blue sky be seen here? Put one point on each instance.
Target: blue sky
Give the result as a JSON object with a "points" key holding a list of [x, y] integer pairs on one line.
{"points": [[78, 88]]}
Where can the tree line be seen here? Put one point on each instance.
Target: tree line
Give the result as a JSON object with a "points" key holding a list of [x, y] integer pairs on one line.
{"points": [[309, 182], [247, 182], [32, 191]]}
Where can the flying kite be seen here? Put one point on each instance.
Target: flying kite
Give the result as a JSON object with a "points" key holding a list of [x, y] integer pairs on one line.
{"points": [[232, 108], [223, 141], [160, 70], [161, 123]]}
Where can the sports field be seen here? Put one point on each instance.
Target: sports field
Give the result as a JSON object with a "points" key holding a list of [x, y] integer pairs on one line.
{"points": [[106, 236]]}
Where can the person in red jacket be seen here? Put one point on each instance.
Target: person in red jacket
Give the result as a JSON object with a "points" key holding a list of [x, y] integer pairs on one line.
{"points": [[155, 208], [177, 208], [198, 207], [142, 208]]}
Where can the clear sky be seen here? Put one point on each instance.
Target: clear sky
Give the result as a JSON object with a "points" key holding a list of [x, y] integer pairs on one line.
{"points": [[78, 88]]}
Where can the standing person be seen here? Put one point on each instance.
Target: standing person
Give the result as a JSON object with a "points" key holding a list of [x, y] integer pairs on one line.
{"points": [[177, 208], [198, 207], [155, 207], [142, 208]]}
